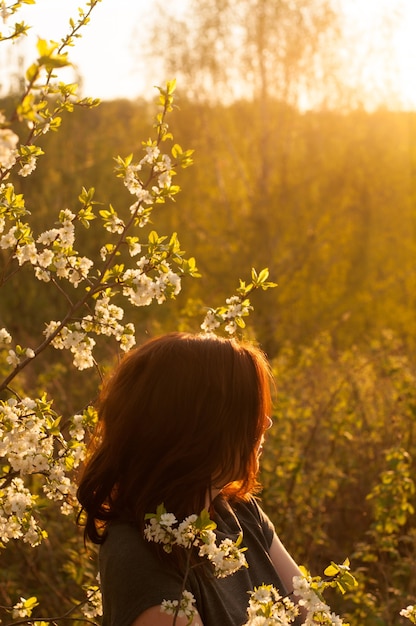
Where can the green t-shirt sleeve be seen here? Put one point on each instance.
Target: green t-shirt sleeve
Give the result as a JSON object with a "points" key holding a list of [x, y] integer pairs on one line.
{"points": [[133, 578], [266, 524]]}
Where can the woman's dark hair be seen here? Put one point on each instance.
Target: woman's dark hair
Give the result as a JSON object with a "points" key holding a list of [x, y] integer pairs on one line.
{"points": [[180, 415]]}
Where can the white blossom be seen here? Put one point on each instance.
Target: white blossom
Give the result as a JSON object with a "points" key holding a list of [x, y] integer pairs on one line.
{"points": [[164, 180], [231, 327], [67, 234], [226, 558], [409, 612], [77, 430], [27, 252], [185, 607], [115, 225], [234, 308], [268, 607], [94, 606], [152, 153], [210, 322], [310, 600], [163, 164], [66, 216], [20, 609], [5, 336], [8, 152], [144, 197], [187, 532], [73, 339], [16, 514], [28, 167], [45, 258], [48, 237], [10, 239], [42, 274], [12, 358]]}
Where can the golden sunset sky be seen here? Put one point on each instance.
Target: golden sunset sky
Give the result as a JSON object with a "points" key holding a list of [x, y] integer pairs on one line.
{"points": [[380, 46]]}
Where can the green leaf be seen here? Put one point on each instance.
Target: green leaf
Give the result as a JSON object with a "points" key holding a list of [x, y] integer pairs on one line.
{"points": [[176, 151], [32, 72], [331, 570], [204, 522], [171, 86], [264, 275], [153, 237], [160, 510]]}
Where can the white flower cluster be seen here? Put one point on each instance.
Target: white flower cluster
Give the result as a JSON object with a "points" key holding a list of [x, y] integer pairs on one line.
{"points": [[9, 152], [410, 613], [17, 505], [14, 357], [161, 529], [58, 256], [5, 337], [23, 439], [236, 308], [8, 143], [105, 321], [267, 608], [106, 317], [141, 289], [317, 610], [94, 605], [211, 321], [28, 167], [30, 443], [59, 486], [55, 254], [24, 607], [185, 607], [161, 166], [74, 339], [226, 557]]}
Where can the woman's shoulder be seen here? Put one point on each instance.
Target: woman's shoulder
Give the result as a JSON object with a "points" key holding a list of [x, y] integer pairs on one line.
{"points": [[122, 532], [250, 507], [125, 543], [251, 516], [126, 552], [133, 577]]}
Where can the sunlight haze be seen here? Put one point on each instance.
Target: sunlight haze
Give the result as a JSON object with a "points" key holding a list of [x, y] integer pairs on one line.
{"points": [[379, 48]]}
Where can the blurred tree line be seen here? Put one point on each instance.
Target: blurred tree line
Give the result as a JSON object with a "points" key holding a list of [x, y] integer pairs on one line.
{"points": [[327, 205]]}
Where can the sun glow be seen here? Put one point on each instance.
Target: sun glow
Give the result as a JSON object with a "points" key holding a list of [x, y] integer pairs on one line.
{"points": [[376, 55], [380, 51]]}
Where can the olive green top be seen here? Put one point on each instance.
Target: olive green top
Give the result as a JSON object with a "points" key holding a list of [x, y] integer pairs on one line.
{"points": [[134, 579]]}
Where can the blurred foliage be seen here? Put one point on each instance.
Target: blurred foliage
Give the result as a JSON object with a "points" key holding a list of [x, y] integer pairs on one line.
{"points": [[327, 204], [326, 200], [338, 467]]}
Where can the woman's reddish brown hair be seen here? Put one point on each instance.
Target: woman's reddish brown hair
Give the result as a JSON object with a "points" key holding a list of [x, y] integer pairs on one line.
{"points": [[181, 415]]}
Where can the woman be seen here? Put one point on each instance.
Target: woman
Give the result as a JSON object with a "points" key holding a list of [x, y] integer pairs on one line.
{"points": [[181, 422]]}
